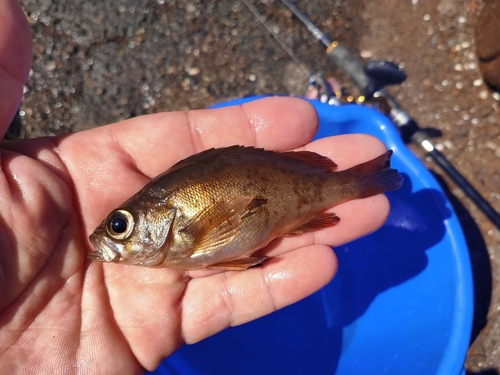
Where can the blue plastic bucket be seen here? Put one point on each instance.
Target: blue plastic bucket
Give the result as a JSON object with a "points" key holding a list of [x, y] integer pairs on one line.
{"points": [[401, 303]]}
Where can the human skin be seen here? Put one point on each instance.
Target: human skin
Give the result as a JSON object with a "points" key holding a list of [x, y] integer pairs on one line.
{"points": [[62, 313]]}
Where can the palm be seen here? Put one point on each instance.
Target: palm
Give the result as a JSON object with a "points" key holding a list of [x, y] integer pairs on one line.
{"points": [[62, 312], [61, 188]]}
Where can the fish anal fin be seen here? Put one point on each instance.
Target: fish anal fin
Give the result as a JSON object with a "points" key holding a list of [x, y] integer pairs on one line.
{"points": [[237, 264], [312, 159], [320, 221], [216, 225]]}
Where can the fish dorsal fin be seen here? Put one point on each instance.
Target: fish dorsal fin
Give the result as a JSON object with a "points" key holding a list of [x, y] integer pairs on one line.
{"points": [[379, 163], [213, 154], [217, 224], [311, 159]]}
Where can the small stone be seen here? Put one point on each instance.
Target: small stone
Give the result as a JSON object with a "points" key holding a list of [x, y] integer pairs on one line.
{"points": [[438, 87], [477, 82], [185, 83], [427, 17], [471, 66], [491, 145], [472, 6], [458, 192], [483, 94], [50, 66], [366, 54], [252, 77], [193, 71]]}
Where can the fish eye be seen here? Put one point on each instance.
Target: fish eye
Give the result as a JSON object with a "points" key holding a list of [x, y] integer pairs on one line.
{"points": [[120, 224]]}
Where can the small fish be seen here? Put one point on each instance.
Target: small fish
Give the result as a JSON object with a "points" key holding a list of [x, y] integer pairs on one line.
{"points": [[215, 209]]}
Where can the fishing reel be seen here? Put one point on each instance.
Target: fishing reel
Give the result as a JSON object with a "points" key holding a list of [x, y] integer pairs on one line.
{"points": [[328, 90], [323, 89], [381, 73]]}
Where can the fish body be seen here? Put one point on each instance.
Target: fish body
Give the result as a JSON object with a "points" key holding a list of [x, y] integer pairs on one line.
{"points": [[217, 208]]}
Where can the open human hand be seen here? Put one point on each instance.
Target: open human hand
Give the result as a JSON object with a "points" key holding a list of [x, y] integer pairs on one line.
{"points": [[60, 312]]}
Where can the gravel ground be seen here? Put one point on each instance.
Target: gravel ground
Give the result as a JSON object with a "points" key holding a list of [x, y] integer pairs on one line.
{"points": [[97, 62]]}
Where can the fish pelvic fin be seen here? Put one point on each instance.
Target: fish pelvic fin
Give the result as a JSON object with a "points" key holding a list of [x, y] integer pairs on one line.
{"points": [[320, 221], [375, 176]]}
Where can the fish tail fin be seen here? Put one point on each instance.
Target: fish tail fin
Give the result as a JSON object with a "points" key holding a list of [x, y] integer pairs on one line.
{"points": [[376, 176]]}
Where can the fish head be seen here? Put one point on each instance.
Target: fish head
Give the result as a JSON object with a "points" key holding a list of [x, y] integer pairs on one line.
{"points": [[133, 236]]}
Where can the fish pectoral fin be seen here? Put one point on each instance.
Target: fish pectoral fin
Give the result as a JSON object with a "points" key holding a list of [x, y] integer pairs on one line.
{"points": [[237, 264], [216, 225], [320, 221]]}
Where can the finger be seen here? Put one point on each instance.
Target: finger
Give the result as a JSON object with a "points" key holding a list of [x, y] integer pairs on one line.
{"points": [[15, 59], [214, 303], [145, 304], [357, 217], [155, 142]]}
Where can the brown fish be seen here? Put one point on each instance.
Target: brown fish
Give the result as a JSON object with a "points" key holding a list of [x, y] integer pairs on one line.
{"points": [[216, 208]]}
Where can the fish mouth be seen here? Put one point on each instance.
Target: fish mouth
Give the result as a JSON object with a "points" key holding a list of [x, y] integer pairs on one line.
{"points": [[106, 250]]}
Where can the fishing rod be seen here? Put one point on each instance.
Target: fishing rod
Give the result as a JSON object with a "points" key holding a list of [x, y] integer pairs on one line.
{"points": [[371, 80]]}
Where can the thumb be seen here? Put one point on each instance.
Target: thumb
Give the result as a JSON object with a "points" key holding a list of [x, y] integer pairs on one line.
{"points": [[15, 59]]}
